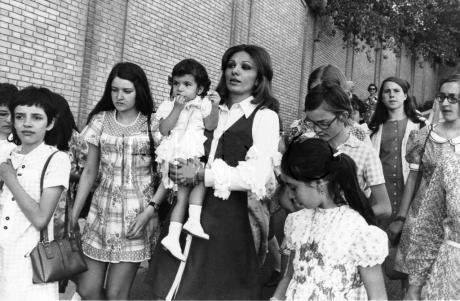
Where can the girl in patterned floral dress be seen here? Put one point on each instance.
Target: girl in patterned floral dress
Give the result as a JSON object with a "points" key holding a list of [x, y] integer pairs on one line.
{"points": [[119, 136], [424, 150], [335, 251]]}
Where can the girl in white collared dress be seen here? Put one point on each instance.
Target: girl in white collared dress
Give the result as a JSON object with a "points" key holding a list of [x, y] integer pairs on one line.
{"points": [[23, 211], [182, 122]]}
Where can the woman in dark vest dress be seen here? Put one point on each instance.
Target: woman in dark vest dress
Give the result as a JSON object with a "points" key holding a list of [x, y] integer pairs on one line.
{"points": [[240, 161]]}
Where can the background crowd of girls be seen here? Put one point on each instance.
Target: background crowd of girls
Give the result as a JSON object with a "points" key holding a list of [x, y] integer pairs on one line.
{"points": [[218, 150]]}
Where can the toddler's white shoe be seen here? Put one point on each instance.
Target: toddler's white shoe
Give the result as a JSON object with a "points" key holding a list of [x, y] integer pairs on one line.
{"points": [[195, 229], [173, 246]]}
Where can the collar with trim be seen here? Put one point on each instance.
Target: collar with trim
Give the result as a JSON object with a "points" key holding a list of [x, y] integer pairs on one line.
{"points": [[352, 141], [246, 106], [439, 139], [38, 152]]}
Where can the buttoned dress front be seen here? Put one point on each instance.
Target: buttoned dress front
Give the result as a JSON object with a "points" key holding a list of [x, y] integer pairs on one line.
{"points": [[125, 188], [17, 234]]}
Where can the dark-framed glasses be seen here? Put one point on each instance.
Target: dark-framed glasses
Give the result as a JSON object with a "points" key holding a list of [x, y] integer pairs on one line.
{"points": [[324, 125], [450, 98]]}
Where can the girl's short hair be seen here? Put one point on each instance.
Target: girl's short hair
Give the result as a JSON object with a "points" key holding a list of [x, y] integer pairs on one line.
{"points": [[381, 112], [330, 93], [262, 91], [339, 170], [194, 68], [35, 96], [134, 74]]}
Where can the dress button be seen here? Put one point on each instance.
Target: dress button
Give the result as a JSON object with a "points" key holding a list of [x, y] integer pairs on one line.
{"points": [[19, 174], [12, 199], [23, 166], [5, 227], [7, 218]]}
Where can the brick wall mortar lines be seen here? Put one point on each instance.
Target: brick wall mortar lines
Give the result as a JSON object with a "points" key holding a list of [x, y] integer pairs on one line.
{"points": [[46, 42]]}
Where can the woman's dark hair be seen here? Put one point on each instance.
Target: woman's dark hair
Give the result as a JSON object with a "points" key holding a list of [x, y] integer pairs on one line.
{"points": [[371, 86], [327, 73], [40, 97], [454, 78], [64, 125], [7, 93], [194, 68], [135, 74], [330, 93], [262, 91], [381, 112], [339, 171]]}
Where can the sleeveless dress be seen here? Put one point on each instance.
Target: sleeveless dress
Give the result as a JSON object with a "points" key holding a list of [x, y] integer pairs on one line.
{"points": [[226, 265]]}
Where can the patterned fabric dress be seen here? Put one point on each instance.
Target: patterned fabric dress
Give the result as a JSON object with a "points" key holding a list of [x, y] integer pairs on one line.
{"points": [[434, 248], [435, 147], [329, 245], [124, 190], [78, 150]]}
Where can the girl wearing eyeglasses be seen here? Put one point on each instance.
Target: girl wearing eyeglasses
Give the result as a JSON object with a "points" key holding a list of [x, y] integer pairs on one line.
{"points": [[424, 148], [328, 109]]}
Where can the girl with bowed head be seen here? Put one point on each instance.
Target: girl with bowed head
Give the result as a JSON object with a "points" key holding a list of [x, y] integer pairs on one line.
{"points": [[335, 251], [327, 109], [246, 138], [121, 134], [24, 208]]}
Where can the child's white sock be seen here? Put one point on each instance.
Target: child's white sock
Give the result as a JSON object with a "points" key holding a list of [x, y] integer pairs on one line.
{"points": [[175, 228], [194, 212]]}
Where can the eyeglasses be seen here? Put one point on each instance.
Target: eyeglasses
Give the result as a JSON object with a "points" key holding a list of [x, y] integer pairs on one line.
{"points": [[372, 89], [324, 125], [450, 98]]}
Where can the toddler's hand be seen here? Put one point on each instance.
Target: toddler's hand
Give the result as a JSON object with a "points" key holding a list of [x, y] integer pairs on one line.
{"points": [[179, 101], [214, 97]]}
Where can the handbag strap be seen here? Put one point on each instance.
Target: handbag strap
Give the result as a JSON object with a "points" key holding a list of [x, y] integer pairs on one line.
{"points": [[44, 231]]}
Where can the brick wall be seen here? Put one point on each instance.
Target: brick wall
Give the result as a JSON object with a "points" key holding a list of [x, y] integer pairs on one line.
{"points": [[71, 45], [41, 43]]}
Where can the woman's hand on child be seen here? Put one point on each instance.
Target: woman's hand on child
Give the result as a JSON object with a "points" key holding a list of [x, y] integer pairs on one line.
{"points": [[7, 170], [183, 172]]}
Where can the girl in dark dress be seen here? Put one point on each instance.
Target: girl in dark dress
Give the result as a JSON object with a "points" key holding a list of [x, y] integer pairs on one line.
{"points": [[246, 138]]}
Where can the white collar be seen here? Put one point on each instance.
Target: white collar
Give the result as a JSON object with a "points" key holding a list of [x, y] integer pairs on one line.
{"points": [[245, 105]]}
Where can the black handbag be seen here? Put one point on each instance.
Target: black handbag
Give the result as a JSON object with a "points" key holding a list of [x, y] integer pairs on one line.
{"points": [[59, 259]]}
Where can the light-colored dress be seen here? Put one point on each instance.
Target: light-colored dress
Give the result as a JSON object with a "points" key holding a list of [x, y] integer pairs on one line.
{"points": [[17, 234], [124, 190], [186, 140], [435, 147], [329, 246], [434, 248]]}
